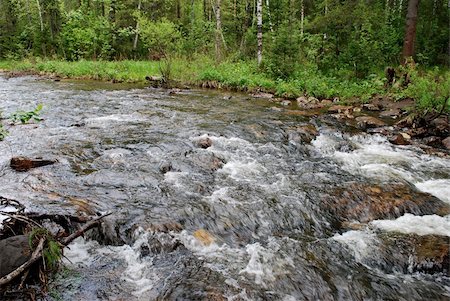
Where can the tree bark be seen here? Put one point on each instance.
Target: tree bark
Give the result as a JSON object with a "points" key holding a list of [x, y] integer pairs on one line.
{"points": [[410, 31], [302, 18], [136, 36], [218, 32], [260, 33]]}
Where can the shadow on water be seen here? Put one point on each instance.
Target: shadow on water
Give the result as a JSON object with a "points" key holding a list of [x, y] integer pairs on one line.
{"points": [[217, 199]]}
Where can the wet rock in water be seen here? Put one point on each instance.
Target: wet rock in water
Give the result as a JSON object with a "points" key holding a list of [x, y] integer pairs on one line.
{"points": [[399, 140], [372, 107], [286, 103], [418, 132], [165, 227], [441, 126], [304, 133], [392, 113], [366, 122], [25, 164], [174, 91], [446, 142], [309, 103], [204, 142], [412, 253], [302, 100], [227, 97], [262, 95], [14, 251], [275, 109], [364, 203], [165, 167], [204, 237], [339, 109], [432, 141]]}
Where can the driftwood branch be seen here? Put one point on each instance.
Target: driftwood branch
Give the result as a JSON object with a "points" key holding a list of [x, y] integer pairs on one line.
{"points": [[83, 229]]}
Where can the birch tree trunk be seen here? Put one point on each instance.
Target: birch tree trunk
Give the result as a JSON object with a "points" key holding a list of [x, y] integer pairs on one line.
{"points": [[218, 32], [410, 31], [260, 33], [302, 17], [137, 28]]}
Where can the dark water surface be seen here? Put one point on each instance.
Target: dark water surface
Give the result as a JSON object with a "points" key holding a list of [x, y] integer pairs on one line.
{"points": [[265, 213]]}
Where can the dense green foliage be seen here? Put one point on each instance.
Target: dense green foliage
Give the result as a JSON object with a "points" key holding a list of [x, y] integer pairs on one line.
{"points": [[355, 35]]}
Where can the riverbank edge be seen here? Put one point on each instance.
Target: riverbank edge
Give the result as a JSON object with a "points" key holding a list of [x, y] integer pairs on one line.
{"points": [[399, 120]]}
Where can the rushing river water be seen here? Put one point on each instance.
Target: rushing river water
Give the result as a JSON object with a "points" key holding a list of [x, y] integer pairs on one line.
{"points": [[281, 206]]}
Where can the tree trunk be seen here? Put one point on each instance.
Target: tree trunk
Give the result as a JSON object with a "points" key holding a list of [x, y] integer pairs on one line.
{"points": [[136, 36], [260, 33], [302, 18], [41, 21], [270, 18], [410, 31], [218, 32]]}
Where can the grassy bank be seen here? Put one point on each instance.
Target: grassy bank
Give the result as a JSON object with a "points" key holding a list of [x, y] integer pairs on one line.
{"points": [[430, 88]]}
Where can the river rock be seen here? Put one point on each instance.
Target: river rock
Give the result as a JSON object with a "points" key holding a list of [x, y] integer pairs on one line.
{"points": [[25, 164], [432, 141], [363, 203], [366, 122], [204, 142], [302, 134], [399, 140], [372, 107], [262, 95], [446, 142], [14, 251], [412, 253], [204, 237], [302, 100], [392, 113], [285, 102], [339, 109]]}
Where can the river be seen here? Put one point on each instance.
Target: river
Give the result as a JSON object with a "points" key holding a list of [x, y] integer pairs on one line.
{"points": [[226, 199]]}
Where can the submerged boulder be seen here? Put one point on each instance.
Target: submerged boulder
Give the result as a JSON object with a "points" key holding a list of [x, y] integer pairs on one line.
{"points": [[367, 122], [14, 251], [364, 203]]}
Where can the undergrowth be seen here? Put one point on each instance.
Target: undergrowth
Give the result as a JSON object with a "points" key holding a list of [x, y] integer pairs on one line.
{"points": [[430, 88]]}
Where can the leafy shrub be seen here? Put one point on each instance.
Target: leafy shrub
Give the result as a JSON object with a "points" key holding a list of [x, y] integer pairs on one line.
{"points": [[26, 116]]}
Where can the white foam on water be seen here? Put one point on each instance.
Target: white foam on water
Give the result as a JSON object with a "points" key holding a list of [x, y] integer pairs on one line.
{"points": [[374, 157], [412, 224], [137, 271], [243, 171], [361, 243], [438, 188], [104, 121], [257, 265], [175, 178]]}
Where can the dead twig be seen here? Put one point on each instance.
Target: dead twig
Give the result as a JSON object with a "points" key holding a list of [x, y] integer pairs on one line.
{"points": [[83, 229]]}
